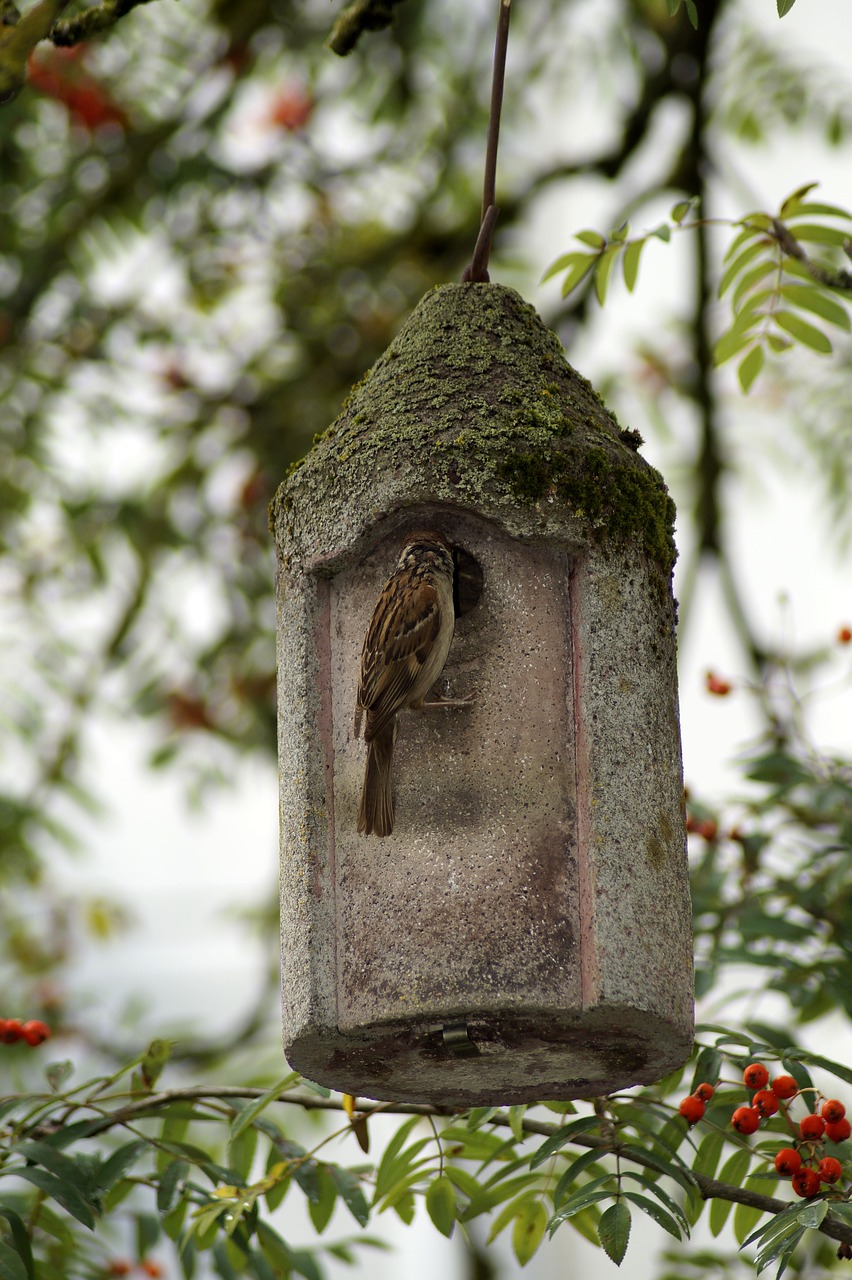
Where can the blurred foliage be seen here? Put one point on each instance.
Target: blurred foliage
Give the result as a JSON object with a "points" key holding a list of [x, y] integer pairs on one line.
{"points": [[210, 227]]}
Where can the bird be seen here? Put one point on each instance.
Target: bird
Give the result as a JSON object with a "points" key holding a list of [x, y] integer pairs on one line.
{"points": [[405, 648]]}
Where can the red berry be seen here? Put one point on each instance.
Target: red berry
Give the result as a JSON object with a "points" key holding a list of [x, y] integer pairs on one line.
{"points": [[719, 688], [806, 1183], [119, 1267], [844, 635], [704, 1092], [745, 1119], [838, 1130], [832, 1111], [151, 1268], [756, 1076], [692, 1109], [830, 1170], [812, 1128], [784, 1087], [765, 1102], [13, 1031], [787, 1162], [36, 1032]]}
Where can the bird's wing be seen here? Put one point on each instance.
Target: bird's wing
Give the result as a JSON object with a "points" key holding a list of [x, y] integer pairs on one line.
{"points": [[400, 637]]}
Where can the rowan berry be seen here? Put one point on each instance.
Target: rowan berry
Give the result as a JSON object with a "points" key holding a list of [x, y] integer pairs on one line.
{"points": [[119, 1267], [765, 1102], [784, 1087], [756, 1076], [838, 1130], [704, 1092], [36, 1032], [13, 1030], [787, 1162], [806, 1183], [692, 1109], [812, 1128], [832, 1111], [844, 635], [719, 688], [745, 1119], [151, 1268], [829, 1169]]}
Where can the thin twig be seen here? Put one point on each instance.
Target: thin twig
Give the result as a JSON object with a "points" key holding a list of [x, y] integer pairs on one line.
{"points": [[477, 272]]}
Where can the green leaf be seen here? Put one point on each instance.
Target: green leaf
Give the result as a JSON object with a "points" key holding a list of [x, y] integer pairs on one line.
{"points": [[170, 1179], [389, 1171], [273, 1247], [815, 210], [620, 233], [62, 1192], [817, 233], [528, 1231], [584, 264], [349, 1186], [630, 262], [803, 332], [614, 1231], [20, 1240], [56, 1073], [750, 367], [813, 299], [602, 271], [516, 1121], [739, 263], [657, 1213], [247, 1115], [562, 1136], [708, 1067], [241, 1152], [746, 1219], [572, 1173], [322, 1208], [732, 341], [586, 1195], [733, 1172], [811, 1215], [679, 211], [119, 1163], [784, 6], [441, 1204], [593, 238], [836, 1068], [662, 232], [11, 1264]]}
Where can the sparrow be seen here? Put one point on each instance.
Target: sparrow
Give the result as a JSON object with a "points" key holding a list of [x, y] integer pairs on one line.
{"points": [[404, 652]]}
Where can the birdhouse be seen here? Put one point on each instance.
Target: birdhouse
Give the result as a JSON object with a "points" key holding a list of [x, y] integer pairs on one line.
{"points": [[523, 931]]}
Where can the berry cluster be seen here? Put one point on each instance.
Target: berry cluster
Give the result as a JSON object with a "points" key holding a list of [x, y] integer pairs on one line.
{"points": [[147, 1267], [805, 1163], [34, 1032]]}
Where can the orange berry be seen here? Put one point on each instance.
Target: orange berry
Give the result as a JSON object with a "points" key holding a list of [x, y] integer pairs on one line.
{"points": [[832, 1111], [756, 1076], [765, 1102], [119, 1267], [806, 1183], [829, 1169], [692, 1109], [745, 1119], [784, 1087], [719, 688], [812, 1128], [844, 635], [787, 1162], [13, 1030], [704, 1092], [36, 1032], [151, 1268], [838, 1130]]}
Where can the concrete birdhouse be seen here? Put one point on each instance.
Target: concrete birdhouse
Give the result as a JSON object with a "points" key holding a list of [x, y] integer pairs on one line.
{"points": [[514, 924]]}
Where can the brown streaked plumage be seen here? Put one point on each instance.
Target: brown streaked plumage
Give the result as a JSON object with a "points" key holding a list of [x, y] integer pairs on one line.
{"points": [[404, 652]]}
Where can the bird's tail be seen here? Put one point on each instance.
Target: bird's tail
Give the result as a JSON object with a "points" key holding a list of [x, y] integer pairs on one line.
{"points": [[375, 817]]}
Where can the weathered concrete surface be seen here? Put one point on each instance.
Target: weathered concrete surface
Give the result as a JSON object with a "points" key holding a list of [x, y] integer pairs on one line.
{"points": [[534, 889]]}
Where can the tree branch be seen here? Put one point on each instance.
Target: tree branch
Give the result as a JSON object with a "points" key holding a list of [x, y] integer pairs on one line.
{"points": [[708, 1188]]}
